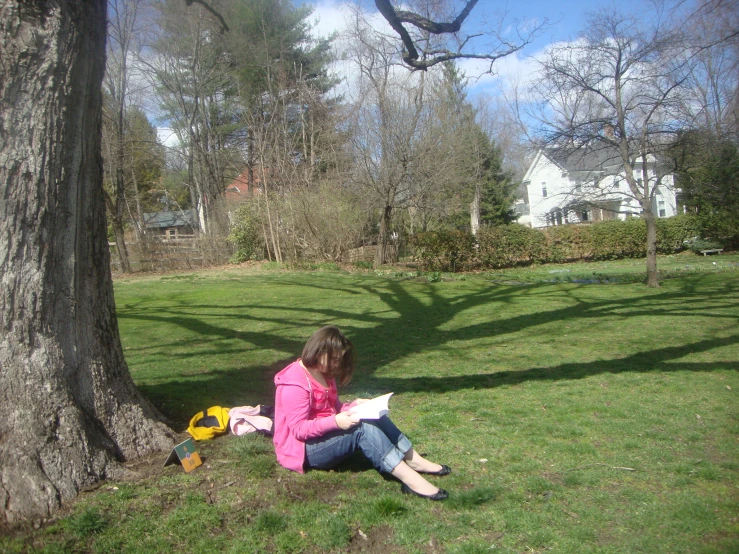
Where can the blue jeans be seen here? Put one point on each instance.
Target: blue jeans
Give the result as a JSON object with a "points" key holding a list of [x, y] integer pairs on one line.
{"points": [[379, 439]]}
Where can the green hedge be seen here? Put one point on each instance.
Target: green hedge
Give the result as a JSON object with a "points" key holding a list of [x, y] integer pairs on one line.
{"points": [[511, 245], [673, 233], [568, 242], [444, 250], [615, 240]]}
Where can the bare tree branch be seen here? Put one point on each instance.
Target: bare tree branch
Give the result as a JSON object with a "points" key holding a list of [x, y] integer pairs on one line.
{"points": [[224, 27], [432, 26], [421, 58]]}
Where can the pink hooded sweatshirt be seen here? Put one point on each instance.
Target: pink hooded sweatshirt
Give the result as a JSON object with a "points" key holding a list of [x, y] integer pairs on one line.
{"points": [[293, 402]]}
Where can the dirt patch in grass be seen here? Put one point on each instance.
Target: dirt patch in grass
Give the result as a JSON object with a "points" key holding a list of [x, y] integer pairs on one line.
{"points": [[378, 539]]}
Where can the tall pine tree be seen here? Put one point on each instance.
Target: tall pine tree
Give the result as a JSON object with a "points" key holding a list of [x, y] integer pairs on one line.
{"points": [[478, 183]]}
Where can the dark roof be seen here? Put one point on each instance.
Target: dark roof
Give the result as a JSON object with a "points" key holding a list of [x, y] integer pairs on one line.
{"points": [[163, 220], [586, 160]]}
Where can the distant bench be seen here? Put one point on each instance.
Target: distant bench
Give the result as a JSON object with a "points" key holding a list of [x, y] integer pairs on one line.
{"points": [[712, 251]]}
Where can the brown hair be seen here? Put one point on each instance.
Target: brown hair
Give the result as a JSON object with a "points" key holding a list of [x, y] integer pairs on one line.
{"points": [[339, 352]]}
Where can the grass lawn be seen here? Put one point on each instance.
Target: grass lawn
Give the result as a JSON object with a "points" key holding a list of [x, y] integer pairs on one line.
{"points": [[580, 411]]}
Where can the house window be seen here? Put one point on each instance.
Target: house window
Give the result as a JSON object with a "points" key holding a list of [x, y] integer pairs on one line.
{"points": [[584, 216], [544, 189], [661, 206]]}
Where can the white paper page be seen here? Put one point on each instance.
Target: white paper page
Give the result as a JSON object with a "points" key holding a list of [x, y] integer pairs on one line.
{"points": [[373, 409]]}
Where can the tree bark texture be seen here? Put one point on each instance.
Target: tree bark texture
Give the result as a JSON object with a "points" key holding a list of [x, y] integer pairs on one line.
{"points": [[69, 411], [382, 255], [652, 275], [475, 210], [116, 221]]}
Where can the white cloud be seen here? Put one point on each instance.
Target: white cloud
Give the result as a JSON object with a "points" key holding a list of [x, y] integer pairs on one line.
{"points": [[329, 16], [167, 137], [337, 16], [515, 68], [518, 70]]}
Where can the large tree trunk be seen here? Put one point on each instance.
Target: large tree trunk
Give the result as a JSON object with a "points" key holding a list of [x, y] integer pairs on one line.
{"points": [[381, 255], [69, 411], [652, 276]]}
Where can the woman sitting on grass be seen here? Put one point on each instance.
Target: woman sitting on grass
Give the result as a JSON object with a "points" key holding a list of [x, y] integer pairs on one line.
{"points": [[313, 429]]}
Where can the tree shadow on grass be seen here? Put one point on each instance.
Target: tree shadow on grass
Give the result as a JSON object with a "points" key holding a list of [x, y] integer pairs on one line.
{"points": [[661, 359], [229, 388], [416, 318]]}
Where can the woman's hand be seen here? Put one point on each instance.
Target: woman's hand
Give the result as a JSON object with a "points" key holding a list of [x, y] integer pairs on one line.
{"points": [[358, 401], [346, 420]]}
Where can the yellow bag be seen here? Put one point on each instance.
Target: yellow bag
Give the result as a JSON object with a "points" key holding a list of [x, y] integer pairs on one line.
{"points": [[209, 423]]}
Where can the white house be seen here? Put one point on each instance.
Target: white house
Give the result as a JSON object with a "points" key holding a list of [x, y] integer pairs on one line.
{"points": [[580, 186]]}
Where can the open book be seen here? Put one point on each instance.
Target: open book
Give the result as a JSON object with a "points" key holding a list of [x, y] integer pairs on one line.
{"points": [[372, 409]]}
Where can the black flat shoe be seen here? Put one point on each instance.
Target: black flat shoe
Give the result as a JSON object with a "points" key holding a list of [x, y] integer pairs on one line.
{"points": [[445, 470], [441, 494]]}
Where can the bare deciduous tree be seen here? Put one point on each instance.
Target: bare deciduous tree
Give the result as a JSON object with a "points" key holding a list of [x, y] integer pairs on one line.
{"points": [[712, 47], [387, 115], [122, 30], [617, 90]]}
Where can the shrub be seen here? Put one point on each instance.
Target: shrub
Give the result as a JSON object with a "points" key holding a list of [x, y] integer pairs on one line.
{"points": [[673, 232], [615, 239], [509, 245], [444, 250], [568, 242], [322, 222], [245, 235], [696, 245], [720, 226], [514, 244]]}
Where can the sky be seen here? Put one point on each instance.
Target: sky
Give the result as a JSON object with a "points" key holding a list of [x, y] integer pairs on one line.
{"points": [[566, 16], [565, 19]]}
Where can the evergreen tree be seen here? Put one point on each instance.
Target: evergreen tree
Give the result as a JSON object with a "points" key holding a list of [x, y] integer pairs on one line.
{"points": [[497, 188], [708, 178], [484, 192]]}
